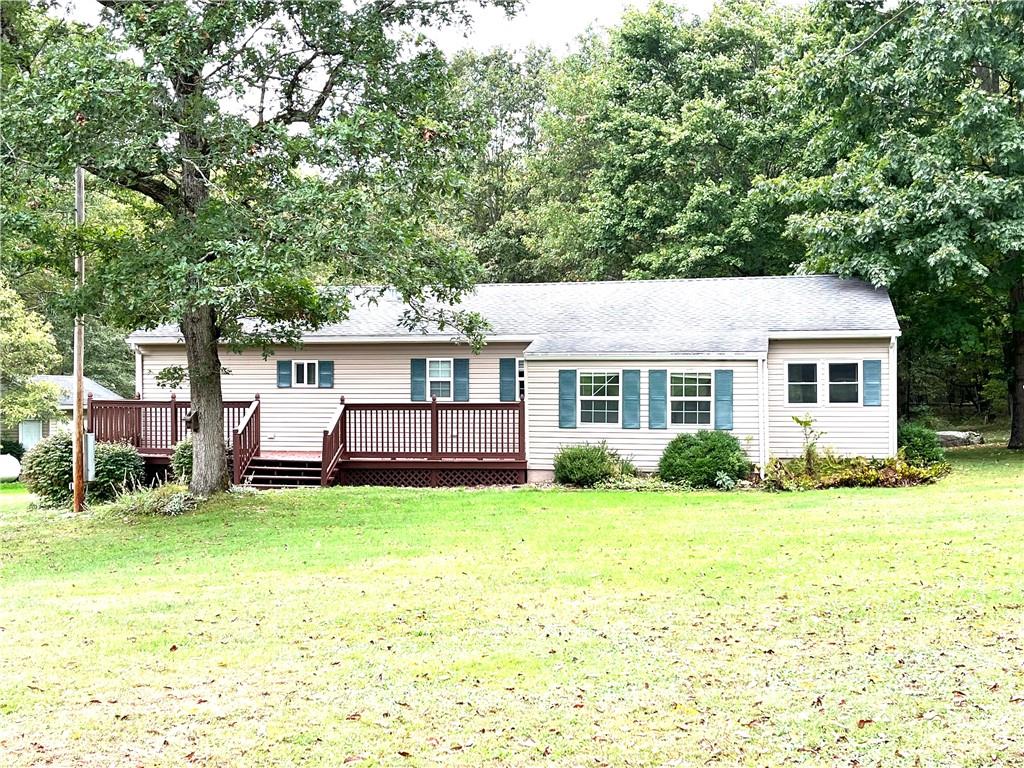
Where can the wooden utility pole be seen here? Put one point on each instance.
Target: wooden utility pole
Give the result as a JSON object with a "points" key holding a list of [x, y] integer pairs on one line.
{"points": [[78, 433]]}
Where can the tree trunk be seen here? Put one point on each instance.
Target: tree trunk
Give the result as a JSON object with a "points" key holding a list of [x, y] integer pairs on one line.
{"points": [[209, 462], [1015, 365]]}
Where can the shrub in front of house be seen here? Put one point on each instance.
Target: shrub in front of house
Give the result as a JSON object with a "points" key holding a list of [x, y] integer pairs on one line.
{"points": [[850, 472], [588, 464], [119, 469], [166, 500], [12, 448], [920, 444], [181, 461], [46, 470], [704, 459]]}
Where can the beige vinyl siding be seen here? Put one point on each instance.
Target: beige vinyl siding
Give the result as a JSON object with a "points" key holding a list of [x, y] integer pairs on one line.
{"points": [[294, 418], [643, 446], [850, 429]]}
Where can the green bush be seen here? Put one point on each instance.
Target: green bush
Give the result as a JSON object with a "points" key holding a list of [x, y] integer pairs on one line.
{"points": [[920, 444], [119, 469], [851, 472], [181, 461], [704, 459], [46, 470], [588, 464], [166, 500], [12, 448]]}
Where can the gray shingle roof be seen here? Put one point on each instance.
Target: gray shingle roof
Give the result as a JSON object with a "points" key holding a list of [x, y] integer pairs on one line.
{"points": [[700, 316], [67, 385]]}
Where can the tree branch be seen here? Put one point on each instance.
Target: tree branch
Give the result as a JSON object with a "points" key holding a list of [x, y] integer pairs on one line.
{"points": [[161, 193]]}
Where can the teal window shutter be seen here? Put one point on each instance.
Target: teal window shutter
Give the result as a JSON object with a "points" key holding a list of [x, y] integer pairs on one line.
{"points": [[631, 399], [284, 373], [657, 399], [418, 379], [723, 399], [507, 370], [567, 399], [461, 374], [325, 374], [872, 382]]}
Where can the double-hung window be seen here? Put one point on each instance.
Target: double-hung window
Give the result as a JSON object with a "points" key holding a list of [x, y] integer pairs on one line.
{"points": [[802, 383], [521, 378], [439, 378], [599, 398], [690, 396], [304, 373], [843, 383]]}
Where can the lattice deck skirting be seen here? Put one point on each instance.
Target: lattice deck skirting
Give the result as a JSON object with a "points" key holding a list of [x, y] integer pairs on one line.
{"points": [[416, 477]]}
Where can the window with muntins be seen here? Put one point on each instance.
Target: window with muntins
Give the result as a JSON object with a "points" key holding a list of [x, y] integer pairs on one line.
{"points": [[304, 373], [439, 379], [843, 383], [690, 398], [802, 383], [599, 398]]}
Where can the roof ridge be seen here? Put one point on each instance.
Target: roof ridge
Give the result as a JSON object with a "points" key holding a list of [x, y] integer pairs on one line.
{"points": [[670, 280]]}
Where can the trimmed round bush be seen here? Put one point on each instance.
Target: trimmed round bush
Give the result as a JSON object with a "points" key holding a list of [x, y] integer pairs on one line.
{"points": [[181, 461], [584, 465], [703, 459], [12, 448], [920, 444], [119, 469], [46, 469]]}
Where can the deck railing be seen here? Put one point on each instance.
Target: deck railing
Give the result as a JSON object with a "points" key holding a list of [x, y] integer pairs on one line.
{"points": [[333, 444], [246, 441], [435, 430], [154, 426]]}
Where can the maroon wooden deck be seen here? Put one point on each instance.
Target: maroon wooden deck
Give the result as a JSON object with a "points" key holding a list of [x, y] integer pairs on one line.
{"points": [[390, 443]]}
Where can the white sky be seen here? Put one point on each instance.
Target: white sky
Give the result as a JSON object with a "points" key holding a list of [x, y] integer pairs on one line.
{"points": [[546, 23]]}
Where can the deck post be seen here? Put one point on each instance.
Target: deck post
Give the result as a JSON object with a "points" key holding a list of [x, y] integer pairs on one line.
{"points": [[174, 420], [343, 429], [522, 429], [434, 452], [259, 433]]}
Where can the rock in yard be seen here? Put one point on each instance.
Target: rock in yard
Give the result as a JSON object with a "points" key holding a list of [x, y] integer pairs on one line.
{"points": [[950, 439]]}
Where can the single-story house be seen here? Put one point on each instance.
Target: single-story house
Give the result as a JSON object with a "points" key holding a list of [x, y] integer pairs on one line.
{"points": [[633, 363], [31, 431]]}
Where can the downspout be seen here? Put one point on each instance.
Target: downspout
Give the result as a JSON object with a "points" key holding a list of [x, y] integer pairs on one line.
{"points": [[138, 372], [762, 412], [893, 395]]}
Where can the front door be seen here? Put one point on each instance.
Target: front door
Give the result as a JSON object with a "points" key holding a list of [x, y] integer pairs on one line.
{"points": [[29, 433]]}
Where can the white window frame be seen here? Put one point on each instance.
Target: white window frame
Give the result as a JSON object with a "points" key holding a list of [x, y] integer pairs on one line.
{"points": [[860, 381], [817, 382], [316, 374], [450, 378], [683, 398], [580, 398], [520, 378], [21, 432]]}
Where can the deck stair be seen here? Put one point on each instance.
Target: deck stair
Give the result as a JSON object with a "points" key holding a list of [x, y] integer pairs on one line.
{"points": [[282, 472]]}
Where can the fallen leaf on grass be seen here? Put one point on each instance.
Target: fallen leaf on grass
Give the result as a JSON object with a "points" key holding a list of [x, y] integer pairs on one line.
{"points": [[865, 721], [354, 758]]}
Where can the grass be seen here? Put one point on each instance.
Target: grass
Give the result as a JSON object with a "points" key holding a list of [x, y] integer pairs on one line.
{"points": [[522, 628]]}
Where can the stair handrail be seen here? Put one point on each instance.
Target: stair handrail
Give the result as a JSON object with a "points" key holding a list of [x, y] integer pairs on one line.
{"points": [[246, 440], [333, 448]]}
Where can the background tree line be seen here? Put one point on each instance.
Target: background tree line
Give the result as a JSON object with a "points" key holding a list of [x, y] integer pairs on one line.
{"points": [[244, 154], [884, 142]]}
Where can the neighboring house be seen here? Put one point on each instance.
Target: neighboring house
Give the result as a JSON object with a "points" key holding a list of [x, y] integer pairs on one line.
{"points": [[633, 363], [31, 431]]}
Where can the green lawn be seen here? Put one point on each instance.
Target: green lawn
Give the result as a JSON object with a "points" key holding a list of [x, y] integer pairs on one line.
{"points": [[523, 627]]}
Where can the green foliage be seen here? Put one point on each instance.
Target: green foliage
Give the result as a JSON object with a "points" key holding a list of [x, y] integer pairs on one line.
{"points": [[701, 459], [165, 500], [588, 464], [28, 349], [920, 444], [641, 483], [46, 469], [12, 448], [811, 436], [850, 472], [181, 461], [119, 469]]}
